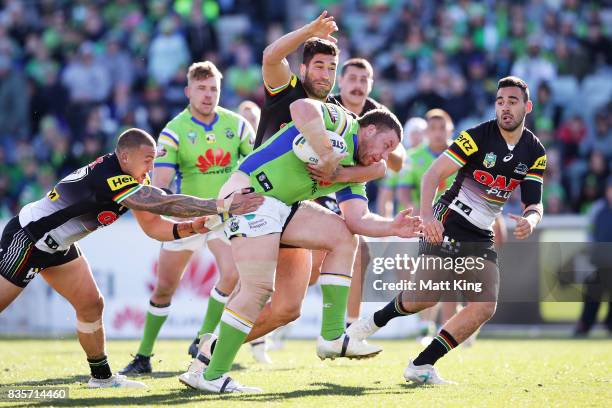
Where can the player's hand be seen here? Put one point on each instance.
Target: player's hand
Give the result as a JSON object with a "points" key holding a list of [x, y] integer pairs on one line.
{"points": [[523, 228], [244, 202], [323, 27], [327, 169], [406, 226], [198, 225], [433, 229]]}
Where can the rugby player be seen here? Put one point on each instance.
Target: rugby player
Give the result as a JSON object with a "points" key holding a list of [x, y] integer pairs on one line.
{"points": [[201, 146], [275, 171], [492, 159], [42, 238]]}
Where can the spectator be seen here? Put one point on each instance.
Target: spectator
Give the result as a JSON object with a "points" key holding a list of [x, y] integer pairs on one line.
{"points": [[14, 102], [168, 52], [533, 67]]}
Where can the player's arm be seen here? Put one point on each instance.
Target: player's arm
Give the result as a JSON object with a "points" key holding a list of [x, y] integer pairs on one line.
{"points": [[247, 138], [152, 199], [163, 176], [441, 169], [163, 229], [531, 197], [166, 161], [361, 221], [275, 67], [396, 158], [359, 174]]}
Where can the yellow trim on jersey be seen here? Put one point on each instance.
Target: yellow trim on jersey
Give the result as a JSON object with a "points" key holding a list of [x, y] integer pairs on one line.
{"points": [[163, 139], [273, 91], [466, 143], [540, 163], [117, 182]]}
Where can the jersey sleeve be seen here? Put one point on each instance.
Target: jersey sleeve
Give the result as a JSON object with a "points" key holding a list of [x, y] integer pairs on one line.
{"points": [[272, 93], [247, 137], [531, 187], [167, 149], [353, 190], [463, 147]]}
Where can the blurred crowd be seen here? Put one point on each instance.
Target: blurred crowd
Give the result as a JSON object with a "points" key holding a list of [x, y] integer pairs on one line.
{"points": [[73, 74]]}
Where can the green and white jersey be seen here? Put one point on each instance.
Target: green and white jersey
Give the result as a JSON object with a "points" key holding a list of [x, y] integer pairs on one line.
{"points": [[204, 155], [277, 172], [418, 160]]}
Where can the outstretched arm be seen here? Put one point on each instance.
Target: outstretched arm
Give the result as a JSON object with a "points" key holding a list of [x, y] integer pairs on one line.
{"points": [[361, 221], [163, 229]]}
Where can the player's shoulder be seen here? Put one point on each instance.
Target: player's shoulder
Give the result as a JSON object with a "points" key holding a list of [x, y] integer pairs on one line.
{"points": [[228, 115], [533, 141], [179, 121]]}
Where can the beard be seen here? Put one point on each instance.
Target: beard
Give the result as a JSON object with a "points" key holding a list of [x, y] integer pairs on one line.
{"points": [[512, 126], [313, 90]]}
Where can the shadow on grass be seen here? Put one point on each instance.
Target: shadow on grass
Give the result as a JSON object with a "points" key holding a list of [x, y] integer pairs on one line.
{"points": [[188, 395]]}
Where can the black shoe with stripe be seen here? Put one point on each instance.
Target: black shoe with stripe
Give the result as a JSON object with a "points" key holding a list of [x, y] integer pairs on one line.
{"points": [[138, 366]]}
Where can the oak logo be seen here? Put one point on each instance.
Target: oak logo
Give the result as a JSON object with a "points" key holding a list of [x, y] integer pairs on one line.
{"points": [[213, 157], [117, 182], [499, 182]]}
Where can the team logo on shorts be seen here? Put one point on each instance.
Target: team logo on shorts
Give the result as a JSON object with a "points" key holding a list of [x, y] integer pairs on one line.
{"points": [[192, 136], [229, 133], [489, 160], [233, 225]]}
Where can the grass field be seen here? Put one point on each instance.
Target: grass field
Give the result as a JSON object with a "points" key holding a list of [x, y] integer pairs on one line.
{"points": [[492, 373]]}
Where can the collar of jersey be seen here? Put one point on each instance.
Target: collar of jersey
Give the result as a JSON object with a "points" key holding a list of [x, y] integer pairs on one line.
{"points": [[206, 127]]}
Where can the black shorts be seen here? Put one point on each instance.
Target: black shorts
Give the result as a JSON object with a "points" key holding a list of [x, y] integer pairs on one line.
{"points": [[461, 237], [20, 260]]}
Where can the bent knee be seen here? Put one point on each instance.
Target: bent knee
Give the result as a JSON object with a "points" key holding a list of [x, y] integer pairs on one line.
{"points": [[92, 309]]}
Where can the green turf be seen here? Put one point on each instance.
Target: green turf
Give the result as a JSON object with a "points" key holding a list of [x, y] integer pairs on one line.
{"points": [[492, 373]]}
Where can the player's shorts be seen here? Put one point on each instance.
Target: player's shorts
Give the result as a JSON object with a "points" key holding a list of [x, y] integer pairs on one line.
{"points": [[271, 217], [461, 237], [20, 260], [330, 203], [194, 242]]}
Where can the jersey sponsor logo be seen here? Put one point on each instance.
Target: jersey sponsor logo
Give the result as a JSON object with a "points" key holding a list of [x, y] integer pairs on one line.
{"points": [[540, 163], [229, 133], [521, 169], [489, 160], [117, 182], [508, 157], [161, 151], [499, 186], [263, 181], [107, 217], [211, 138], [191, 135], [466, 143], [51, 243], [214, 158], [76, 175], [53, 195]]}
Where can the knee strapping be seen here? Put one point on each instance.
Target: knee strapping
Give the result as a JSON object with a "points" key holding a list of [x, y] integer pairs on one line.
{"points": [[255, 288], [89, 327]]}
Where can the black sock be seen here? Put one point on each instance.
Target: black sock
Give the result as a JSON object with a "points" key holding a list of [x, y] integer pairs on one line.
{"points": [[439, 346], [392, 310], [99, 368], [141, 357]]}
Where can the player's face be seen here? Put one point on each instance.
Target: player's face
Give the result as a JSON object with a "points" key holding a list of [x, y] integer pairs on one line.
{"points": [[319, 76], [139, 161], [510, 108], [437, 131], [203, 95], [376, 145], [355, 85]]}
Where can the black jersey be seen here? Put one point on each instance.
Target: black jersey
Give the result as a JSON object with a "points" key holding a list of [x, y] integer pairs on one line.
{"points": [[491, 170], [83, 201], [275, 113], [370, 104]]}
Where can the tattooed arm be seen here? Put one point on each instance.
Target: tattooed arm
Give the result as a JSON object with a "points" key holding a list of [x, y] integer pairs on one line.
{"points": [[152, 199]]}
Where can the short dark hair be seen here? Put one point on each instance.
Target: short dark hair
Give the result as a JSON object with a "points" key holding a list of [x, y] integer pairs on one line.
{"points": [[134, 138], [315, 45], [511, 81], [361, 63], [382, 118]]}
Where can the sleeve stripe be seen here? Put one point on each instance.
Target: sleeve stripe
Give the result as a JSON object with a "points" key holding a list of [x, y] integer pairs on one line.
{"points": [[454, 157], [125, 194], [349, 197], [274, 91], [534, 177], [168, 140], [172, 165]]}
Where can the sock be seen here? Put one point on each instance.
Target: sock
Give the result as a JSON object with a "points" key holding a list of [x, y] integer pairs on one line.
{"points": [[99, 368], [156, 316], [216, 303], [391, 311], [439, 346], [335, 288], [233, 330]]}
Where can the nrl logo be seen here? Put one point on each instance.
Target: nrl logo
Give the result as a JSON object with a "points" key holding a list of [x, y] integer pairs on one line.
{"points": [[192, 136], [489, 160]]}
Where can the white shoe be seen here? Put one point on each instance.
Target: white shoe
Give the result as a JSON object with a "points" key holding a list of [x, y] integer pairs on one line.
{"points": [[260, 351], [116, 380], [220, 385], [345, 346], [362, 328], [424, 374]]}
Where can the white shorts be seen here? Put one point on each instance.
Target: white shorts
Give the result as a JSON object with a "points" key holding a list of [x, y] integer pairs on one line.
{"points": [[271, 217], [194, 242]]}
